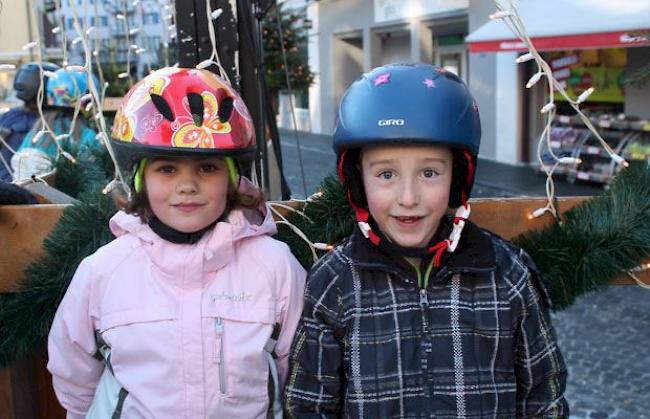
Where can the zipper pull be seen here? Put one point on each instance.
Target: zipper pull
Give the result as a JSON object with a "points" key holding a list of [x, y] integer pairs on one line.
{"points": [[424, 298], [218, 328]]}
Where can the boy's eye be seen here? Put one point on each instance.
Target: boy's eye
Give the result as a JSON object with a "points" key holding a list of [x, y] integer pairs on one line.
{"points": [[386, 175], [429, 173]]}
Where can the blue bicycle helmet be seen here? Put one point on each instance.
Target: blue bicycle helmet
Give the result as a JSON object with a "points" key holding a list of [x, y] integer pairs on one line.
{"points": [[411, 104], [66, 88], [407, 104], [28, 80]]}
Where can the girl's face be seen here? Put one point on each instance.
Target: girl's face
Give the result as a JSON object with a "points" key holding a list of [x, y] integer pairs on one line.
{"points": [[189, 193]]}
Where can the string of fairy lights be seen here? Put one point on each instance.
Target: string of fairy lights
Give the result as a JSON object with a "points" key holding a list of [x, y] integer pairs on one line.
{"points": [[507, 12], [92, 100]]}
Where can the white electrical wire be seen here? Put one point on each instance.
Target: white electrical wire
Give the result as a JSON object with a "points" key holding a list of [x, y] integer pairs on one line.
{"points": [[214, 57], [98, 105], [510, 16]]}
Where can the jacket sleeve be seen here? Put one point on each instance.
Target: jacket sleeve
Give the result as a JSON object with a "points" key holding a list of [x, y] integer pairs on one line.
{"points": [[316, 374], [539, 365], [71, 346], [292, 297]]}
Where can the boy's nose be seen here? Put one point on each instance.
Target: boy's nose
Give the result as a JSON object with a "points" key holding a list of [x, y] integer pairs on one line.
{"points": [[408, 195]]}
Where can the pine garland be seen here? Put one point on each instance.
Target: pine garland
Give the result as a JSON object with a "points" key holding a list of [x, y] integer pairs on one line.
{"points": [[26, 316], [328, 219], [93, 166], [598, 240]]}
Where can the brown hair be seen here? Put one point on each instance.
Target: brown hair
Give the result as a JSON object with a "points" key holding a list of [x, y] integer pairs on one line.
{"points": [[139, 203]]}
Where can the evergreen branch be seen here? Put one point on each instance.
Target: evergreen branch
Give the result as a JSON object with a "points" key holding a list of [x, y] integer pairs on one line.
{"points": [[598, 241], [331, 218], [26, 315]]}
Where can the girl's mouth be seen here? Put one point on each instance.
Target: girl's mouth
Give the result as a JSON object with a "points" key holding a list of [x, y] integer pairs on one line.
{"points": [[187, 207]]}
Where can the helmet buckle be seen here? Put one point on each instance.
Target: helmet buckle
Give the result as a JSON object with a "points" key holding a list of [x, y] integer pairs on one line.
{"points": [[365, 229]]}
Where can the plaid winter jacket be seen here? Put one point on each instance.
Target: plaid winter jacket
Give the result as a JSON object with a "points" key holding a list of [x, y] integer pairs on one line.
{"points": [[477, 343]]}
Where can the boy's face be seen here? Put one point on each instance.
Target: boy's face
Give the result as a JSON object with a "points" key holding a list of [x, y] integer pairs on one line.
{"points": [[407, 188], [187, 194]]}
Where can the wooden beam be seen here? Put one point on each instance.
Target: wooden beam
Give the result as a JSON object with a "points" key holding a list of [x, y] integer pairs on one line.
{"points": [[25, 227], [22, 229]]}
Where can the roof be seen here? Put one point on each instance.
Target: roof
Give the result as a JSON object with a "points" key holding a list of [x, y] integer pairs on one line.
{"points": [[574, 24]]}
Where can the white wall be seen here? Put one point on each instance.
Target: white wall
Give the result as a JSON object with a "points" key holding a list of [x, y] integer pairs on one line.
{"points": [[410, 40], [508, 109]]}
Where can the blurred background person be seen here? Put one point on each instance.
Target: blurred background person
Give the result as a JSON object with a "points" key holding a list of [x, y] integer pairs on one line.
{"points": [[18, 121], [39, 149]]}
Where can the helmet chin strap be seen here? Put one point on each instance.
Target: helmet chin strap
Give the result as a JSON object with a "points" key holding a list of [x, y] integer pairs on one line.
{"points": [[450, 244]]}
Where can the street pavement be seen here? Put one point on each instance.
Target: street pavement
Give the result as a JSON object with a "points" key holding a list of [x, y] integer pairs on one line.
{"points": [[604, 336]]}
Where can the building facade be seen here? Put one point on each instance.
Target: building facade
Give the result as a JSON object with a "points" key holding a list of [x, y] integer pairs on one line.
{"points": [[137, 32], [350, 37]]}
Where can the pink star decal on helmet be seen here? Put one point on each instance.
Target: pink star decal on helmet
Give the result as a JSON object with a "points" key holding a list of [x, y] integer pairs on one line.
{"points": [[429, 83], [382, 79]]}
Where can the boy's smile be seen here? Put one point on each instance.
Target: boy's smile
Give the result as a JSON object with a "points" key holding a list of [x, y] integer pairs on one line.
{"points": [[187, 194], [407, 188]]}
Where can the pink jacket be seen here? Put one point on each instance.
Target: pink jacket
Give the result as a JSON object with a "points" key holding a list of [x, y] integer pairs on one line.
{"points": [[186, 324]]}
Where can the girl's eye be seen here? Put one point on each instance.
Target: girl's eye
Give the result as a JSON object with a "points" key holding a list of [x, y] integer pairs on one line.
{"points": [[429, 173], [386, 175], [166, 169], [209, 168]]}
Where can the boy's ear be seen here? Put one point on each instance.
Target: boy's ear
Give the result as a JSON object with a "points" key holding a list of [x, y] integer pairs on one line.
{"points": [[354, 178], [458, 179]]}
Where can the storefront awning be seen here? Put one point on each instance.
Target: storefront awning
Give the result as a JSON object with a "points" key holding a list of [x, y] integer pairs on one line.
{"points": [[576, 24]]}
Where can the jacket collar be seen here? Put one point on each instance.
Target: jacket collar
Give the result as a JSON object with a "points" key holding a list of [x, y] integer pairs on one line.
{"points": [[213, 251], [475, 252]]}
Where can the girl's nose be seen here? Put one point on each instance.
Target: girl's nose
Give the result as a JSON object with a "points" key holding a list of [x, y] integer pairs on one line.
{"points": [[186, 185]]}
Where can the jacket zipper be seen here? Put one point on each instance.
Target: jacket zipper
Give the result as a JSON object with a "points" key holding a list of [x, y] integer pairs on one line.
{"points": [[218, 328], [424, 298], [423, 284]]}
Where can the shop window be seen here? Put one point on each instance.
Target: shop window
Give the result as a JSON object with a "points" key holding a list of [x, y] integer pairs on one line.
{"points": [[604, 69]]}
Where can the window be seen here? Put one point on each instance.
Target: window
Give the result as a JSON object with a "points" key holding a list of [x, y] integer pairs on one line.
{"points": [[151, 18], [153, 44]]}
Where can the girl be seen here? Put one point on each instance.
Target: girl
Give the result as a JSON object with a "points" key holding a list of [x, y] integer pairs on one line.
{"points": [[190, 311]]}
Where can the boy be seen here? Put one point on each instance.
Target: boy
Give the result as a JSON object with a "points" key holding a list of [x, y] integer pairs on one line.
{"points": [[419, 314]]}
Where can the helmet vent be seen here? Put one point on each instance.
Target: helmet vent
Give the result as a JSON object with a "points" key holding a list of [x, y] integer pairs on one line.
{"points": [[196, 107], [225, 109], [163, 107]]}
